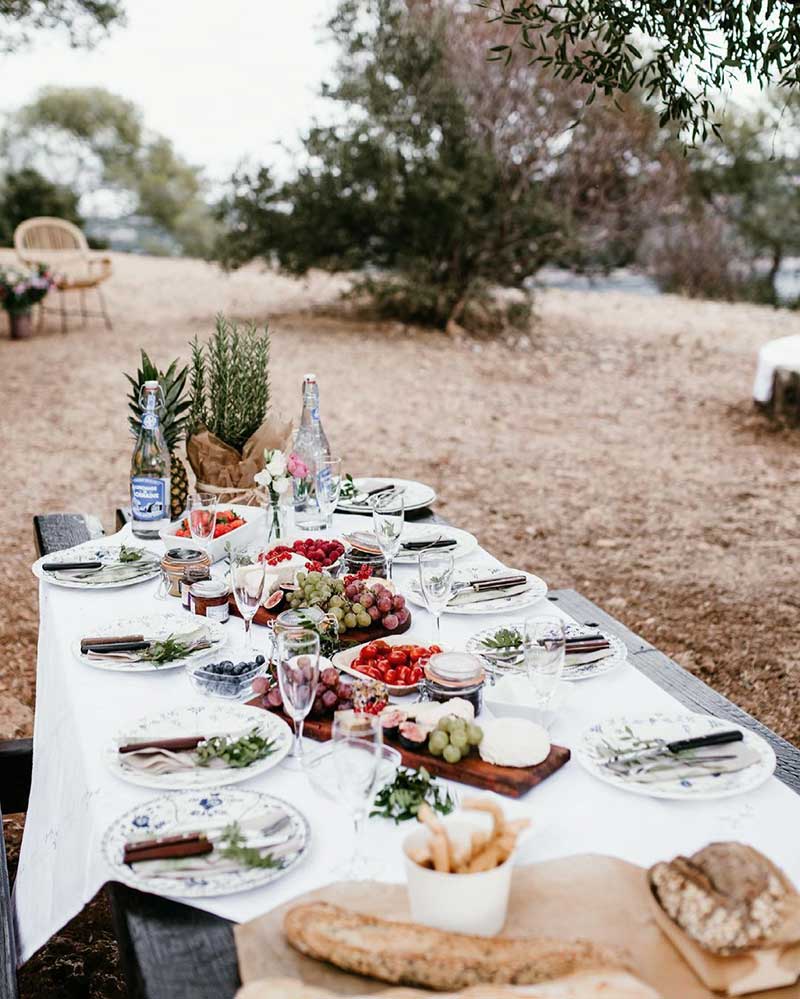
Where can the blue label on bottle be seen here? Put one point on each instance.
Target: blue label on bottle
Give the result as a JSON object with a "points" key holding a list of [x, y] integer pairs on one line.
{"points": [[315, 414], [149, 421], [148, 498]]}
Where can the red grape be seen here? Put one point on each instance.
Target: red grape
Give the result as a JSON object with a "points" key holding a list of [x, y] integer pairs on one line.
{"points": [[373, 612], [384, 605], [391, 621], [330, 677], [260, 685], [399, 602], [274, 699]]}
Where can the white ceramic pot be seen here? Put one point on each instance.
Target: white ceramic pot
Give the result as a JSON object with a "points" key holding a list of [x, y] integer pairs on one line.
{"points": [[460, 903]]}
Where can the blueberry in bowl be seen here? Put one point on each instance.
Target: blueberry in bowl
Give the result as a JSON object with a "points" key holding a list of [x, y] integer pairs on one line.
{"points": [[227, 678]]}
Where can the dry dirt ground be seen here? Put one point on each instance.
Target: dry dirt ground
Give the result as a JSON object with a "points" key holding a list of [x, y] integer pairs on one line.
{"points": [[616, 451]]}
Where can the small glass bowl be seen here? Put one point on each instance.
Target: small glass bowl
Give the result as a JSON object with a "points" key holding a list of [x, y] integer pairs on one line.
{"points": [[232, 688]]}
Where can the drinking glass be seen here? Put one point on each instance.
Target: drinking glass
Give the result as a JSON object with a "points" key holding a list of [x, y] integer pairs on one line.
{"points": [[388, 514], [329, 485], [298, 675], [544, 643], [202, 511], [248, 582], [358, 757], [436, 582]]}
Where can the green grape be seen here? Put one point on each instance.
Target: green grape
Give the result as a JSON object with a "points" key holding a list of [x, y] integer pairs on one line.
{"points": [[337, 612], [474, 735], [350, 620], [364, 620], [301, 578], [458, 739], [336, 601], [437, 741], [342, 626], [314, 577], [338, 586], [358, 608], [444, 725], [457, 724], [451, 753]]}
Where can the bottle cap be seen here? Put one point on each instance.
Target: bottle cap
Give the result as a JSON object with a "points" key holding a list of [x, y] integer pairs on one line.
{"points": [[310, 377], [152, 384]]}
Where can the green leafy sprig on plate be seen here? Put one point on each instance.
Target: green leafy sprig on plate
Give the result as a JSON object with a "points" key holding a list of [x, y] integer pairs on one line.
{"points": [[348, 489], [232, 847], [401, 799], [504, 640], [169, 649], [127, 554], [237, 753]]}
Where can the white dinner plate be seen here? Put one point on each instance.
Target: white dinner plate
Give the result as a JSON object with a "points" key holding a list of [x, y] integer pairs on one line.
{"points": [[466, 543], [493, 604], [94, 551], [416, 495], [500, 664], [206, 719], [620, 732], [201, 811], [158, 626]]}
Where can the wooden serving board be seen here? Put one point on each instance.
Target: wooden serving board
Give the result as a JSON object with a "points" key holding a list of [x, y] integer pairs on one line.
{"points": [[512, 782], [353, 636]]}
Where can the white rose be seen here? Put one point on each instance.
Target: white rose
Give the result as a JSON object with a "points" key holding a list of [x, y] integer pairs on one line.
{"points": [[263, 478], [282, 484], [277, 464]]}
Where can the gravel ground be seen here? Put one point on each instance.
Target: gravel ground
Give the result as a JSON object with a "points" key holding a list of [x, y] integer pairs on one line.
{"points": [[616, 450]]}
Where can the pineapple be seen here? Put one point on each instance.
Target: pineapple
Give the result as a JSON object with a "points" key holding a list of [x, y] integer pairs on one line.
{"points": [[173, 422]]}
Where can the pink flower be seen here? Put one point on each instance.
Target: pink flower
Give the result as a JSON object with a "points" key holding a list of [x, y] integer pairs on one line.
{"points": [[297, 468]]}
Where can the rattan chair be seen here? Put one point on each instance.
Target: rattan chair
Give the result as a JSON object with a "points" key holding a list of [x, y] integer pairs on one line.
{"points": [[63, 248]]}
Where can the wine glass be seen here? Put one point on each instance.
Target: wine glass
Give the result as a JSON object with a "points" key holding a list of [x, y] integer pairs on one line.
{"points": [[298, 676], [388, 513], [202, 511], [436, 582], [358, 757], [329, 485], [248, 582], [544, 644]]}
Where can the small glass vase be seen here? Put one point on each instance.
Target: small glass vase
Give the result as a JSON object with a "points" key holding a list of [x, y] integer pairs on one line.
{"points": [[277, 520]]}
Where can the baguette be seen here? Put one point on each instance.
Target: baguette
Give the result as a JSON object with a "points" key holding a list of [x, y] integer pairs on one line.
{"points": [[410, 954]]}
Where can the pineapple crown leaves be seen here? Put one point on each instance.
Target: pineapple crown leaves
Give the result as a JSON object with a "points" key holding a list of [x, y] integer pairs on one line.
{"points": [[174, 416], [230, 382]]}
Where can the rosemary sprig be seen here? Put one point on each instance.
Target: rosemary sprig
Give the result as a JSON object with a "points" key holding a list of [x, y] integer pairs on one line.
{"points": [[169, 649], [248, 856], [348, 490], [127, 554], [237, 753], [401, 799]]}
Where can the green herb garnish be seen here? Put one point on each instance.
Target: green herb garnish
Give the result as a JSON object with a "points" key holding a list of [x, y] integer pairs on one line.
{"points": [[129, 554], [169, 649], [248, 856], [348, 490], [504, 639], [401, 799], [238, 753]]}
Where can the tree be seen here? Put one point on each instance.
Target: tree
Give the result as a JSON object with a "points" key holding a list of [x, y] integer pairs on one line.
{"points": [[26, 194], [84, 20], [96, 141], [679, 54]]}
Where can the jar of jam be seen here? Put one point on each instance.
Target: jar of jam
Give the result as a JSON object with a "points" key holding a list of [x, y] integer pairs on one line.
{"points": [[454, 674], [191, 575], [209, 599], [355, 558]]}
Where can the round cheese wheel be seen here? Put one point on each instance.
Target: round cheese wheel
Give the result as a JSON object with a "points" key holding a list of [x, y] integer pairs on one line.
{"points": [[514, 742]]}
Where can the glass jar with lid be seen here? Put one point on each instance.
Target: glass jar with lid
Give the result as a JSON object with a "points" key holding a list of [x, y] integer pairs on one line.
{"points": [[454, 674], [355, 559]]}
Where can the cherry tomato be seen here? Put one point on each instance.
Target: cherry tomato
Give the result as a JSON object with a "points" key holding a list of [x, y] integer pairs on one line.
{"points": [[433, 650], [397, 657], [382, 663], [368, 652], [404, 676], [391, 677]]}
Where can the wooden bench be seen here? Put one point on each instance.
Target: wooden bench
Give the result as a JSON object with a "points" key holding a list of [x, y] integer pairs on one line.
{"points": [[174, 951]]}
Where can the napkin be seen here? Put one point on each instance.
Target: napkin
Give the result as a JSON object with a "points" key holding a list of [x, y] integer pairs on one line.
{"points": [[584, 658], [471, 597], [158, 761], [659, 769], [196, 639]]}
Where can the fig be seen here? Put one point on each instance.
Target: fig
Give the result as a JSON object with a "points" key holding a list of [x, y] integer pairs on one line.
{"points": [[274, 601]]}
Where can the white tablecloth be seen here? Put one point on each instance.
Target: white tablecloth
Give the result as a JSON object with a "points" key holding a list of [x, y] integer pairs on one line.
{"points": [[74, 798]]}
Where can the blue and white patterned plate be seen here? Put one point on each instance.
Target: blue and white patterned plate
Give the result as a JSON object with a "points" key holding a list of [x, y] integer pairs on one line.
{"points": [[98, 551], [494, 603], [207, 719], [200, 811], [619, 731]]}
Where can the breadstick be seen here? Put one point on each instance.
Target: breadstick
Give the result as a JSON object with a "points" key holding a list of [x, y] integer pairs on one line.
{"points": [[420, 854], [487, 805], [488, 858], [427, 816], [440, 851]]}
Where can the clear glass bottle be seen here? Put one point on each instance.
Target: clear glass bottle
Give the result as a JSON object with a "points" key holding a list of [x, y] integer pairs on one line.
{"points": [[311, 447], [150, 468]]}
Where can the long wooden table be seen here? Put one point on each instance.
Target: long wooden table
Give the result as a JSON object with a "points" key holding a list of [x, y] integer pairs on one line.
{"points": [[173, 951]]}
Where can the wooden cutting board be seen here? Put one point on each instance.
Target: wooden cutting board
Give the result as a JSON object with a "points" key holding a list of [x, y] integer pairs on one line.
{"points": [[512, 782], [354, 636]]}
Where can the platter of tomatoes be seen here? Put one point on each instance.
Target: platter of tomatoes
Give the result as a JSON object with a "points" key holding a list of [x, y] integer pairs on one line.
{"points": [[227, 521], [396, 663]]}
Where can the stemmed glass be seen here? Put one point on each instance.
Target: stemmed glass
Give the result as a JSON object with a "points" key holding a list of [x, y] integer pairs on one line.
{"points": [[329, 485], [357, 756], [298, 676], [248, 582], [388, 514], [436, 582], [544, 644], [202, 517]]}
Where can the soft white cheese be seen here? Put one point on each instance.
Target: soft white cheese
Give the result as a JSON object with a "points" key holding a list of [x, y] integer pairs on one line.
{"points": [[513, 742], [430, 712]]}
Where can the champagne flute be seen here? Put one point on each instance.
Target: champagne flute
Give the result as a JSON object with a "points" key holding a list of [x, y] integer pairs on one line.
{"points": [[388, 514], [329, 485], [436, 569], [357, 756], [298, 676], [544, 644], [248, 581], [202, 511]]}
